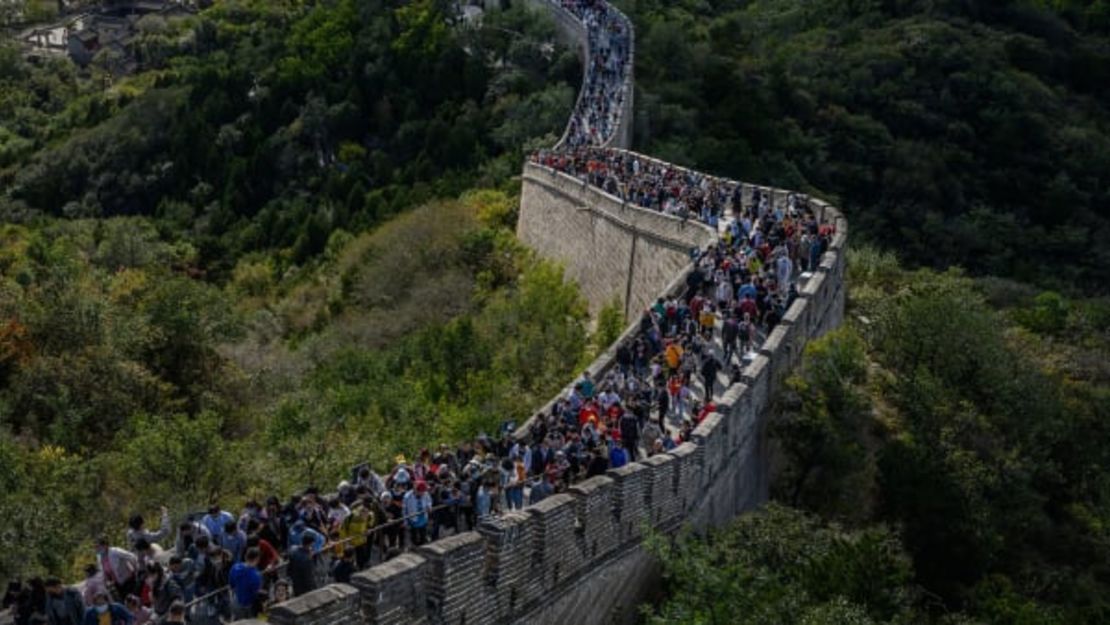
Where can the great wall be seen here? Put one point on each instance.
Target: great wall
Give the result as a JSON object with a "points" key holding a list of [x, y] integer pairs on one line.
{"points": [[578, 557]]}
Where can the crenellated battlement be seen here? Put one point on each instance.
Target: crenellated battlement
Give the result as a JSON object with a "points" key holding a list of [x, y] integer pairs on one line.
{"points": [[577, 557]]}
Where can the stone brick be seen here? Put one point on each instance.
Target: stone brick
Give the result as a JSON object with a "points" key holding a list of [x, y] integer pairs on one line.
{"points": [[630, 484], [664, 507], [757, 377], [335, 604], [511, 571], [555, 538], [593, 504], [688, 486], [393, 593], [454, 580]]}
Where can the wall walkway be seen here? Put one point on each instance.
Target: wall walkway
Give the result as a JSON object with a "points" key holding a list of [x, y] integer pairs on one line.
{"points": [[577, 557]]}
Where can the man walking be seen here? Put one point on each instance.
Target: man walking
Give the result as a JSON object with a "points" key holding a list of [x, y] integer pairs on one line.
{"points": [[64, 606], [302, 566], [245, 582]]}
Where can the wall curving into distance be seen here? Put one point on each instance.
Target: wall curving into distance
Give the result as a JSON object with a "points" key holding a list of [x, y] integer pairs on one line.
{"points": [[577, 557]]}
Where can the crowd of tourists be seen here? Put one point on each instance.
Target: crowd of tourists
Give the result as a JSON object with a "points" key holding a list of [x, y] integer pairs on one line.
{"points": [[596, 115], [214, 566], [689, 348]]}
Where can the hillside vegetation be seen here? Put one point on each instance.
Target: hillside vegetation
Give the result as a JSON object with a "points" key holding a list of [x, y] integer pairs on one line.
{"points": [[256, 263], [944, 455], [970, 133]]}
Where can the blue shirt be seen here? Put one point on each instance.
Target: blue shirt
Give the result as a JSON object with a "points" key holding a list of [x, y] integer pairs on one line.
{"points": [[416, 508], [235, 543], [245, 582], [617, 457], [215, 524], [482, 502], [317, 538]]}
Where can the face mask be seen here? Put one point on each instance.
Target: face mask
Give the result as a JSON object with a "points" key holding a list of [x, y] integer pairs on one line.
{"points": [[102, 608]]}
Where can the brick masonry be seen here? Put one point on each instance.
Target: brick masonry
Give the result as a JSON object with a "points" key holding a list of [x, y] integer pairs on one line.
{"points": [[578, 557]]}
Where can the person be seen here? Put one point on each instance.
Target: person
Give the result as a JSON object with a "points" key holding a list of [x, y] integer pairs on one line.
{"points": [[344, 567], [417, 503], [142, 614], [544, 489], [187, 533], [252, 513], [598, 461], [300, 530], [104, 612], [371, 480], [136, 530], [483, 501], [94, 583], [215, 522], [176, 614], [447, 501], [119, 567], [730, 332], [618, 456], [709, 369], [630, 434], [12, 596], [246, 583], [268, 556], [163, 589], [234, 539], [64, 605], [302, 566], [354, 528], [184, 574], [146, 552], [279, 594], [393, 534], [513, 486]]}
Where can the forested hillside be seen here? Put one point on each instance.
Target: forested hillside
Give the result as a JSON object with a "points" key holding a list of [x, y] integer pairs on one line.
{"points": [[262, 260], [267, 125], [970, 133], [285, 246], [945, 454]]}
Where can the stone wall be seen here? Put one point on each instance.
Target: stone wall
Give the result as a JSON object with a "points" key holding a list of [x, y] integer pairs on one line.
{"points": [[615, 252], [574, 35], [578, 557]]}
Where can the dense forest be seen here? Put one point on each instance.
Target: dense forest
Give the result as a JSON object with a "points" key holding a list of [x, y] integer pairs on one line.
{"points": [[957, 132], [943, 457], [266, 126], [266, 257], [285, 246]]}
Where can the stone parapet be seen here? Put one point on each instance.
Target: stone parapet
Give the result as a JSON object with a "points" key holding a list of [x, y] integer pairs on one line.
{"points": [[578, 556]]}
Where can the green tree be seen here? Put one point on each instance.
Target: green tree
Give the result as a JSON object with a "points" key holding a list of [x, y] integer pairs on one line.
{"points": [[822, 434], [777, 565]]}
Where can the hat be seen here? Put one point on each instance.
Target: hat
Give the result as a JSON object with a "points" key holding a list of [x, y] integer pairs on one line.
{"points": [[421, 486], [400, 459]]}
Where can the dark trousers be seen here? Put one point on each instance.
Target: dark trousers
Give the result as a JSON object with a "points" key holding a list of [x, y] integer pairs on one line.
{"points": [[632, 445]]}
